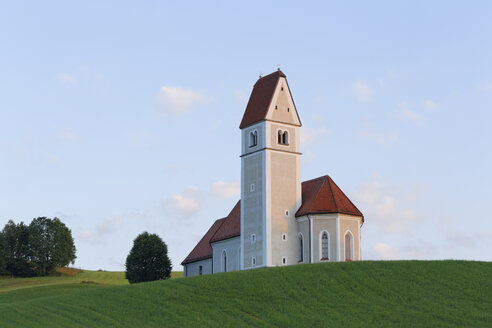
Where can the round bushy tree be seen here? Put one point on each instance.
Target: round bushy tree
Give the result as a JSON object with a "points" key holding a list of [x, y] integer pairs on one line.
{"points": [[51, 244], [148, 259]]}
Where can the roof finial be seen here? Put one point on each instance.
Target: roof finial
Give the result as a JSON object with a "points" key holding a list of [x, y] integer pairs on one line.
{"points": [[261, 75], [278, 67]]}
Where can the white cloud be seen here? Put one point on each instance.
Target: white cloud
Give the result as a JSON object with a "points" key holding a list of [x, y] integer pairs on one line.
{"points": [[362, 91], [385, 251], [175, 100], [487, 87], [410, 115], [310, 136], [384, 208], [380, 137], [431, 105], [184, 204], [224, 189], [102, 228], [70, 136], [66, 79]]}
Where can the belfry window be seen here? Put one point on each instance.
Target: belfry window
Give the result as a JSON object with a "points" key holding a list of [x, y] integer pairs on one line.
{"points": [[282, 137], [253, 138]]}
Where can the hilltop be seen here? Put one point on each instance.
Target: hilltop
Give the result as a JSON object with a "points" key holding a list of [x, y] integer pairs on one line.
{"points": [[355, 294]]}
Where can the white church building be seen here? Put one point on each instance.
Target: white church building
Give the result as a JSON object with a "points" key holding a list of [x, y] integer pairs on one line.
{"points": [[279, 220]]}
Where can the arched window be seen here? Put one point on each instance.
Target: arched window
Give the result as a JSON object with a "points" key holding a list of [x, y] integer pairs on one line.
{"points": [[224, 261], [279, 136], [349, 246], [301, 248], [325, 246], [253, 138], [285, 138]]}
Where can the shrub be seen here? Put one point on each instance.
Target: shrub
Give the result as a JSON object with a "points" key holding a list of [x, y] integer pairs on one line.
{"points": [[148, 259]]}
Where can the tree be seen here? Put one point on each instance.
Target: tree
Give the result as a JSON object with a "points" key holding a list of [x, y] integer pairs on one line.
{"points": [[3, 255], [51, 245], [148, 259], [17, 251]]}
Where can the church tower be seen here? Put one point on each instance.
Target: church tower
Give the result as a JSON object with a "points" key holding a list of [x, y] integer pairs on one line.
{"points": [[270, 176]]}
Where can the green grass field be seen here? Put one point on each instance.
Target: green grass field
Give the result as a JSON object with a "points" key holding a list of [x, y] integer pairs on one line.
{"points": [[356, 294]]}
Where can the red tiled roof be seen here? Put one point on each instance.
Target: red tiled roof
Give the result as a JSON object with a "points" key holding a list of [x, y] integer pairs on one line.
{"points": [[203, 250], [322, 195], [231, 226], [260, 98]]}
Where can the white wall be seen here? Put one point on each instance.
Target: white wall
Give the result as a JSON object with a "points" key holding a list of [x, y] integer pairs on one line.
{"points": [[192, 269], [231, 247]]}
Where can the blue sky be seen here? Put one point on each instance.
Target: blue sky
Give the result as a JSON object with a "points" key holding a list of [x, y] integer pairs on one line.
{"points": [[121, 117]]}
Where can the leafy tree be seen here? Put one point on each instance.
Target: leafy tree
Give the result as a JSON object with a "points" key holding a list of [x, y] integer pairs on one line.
{"points": [[3, 255], [51, 245], [148, 259], [17, 257]]}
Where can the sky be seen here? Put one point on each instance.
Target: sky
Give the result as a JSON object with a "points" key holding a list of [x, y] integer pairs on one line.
{"points": [[121, 117]]}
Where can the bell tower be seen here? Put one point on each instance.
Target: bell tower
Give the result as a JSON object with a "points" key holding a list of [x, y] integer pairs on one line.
{"points": [[270, 175]]}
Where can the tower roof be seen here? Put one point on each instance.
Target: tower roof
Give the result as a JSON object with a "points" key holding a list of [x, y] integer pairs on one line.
{"points": [[322, 195], [203, 250], [260, 99]]}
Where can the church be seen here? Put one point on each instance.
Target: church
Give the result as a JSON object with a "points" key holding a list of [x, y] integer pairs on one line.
{"points": [[279, 220]]}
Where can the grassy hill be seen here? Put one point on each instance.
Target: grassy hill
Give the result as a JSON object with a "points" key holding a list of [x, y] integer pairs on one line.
{"points": [[356, 294]]}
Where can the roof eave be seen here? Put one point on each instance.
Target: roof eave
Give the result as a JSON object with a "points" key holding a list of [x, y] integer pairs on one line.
{"points": [[196, 260]]}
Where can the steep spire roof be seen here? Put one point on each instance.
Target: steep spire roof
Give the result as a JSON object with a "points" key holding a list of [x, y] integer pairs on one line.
{"points": [[322, 195], [260, 98]]}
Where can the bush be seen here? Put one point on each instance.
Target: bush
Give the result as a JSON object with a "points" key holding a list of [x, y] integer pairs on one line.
{"points": [[148, 259]]}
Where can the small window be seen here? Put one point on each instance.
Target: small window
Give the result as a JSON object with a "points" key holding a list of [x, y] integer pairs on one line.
{"points": [[253, 261], [288, 109], [287, 213], [282, 89], [253, 138], [284, 260], [252, 187], [200, 270], [276, 107], [253, 238], [284, 236]]}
